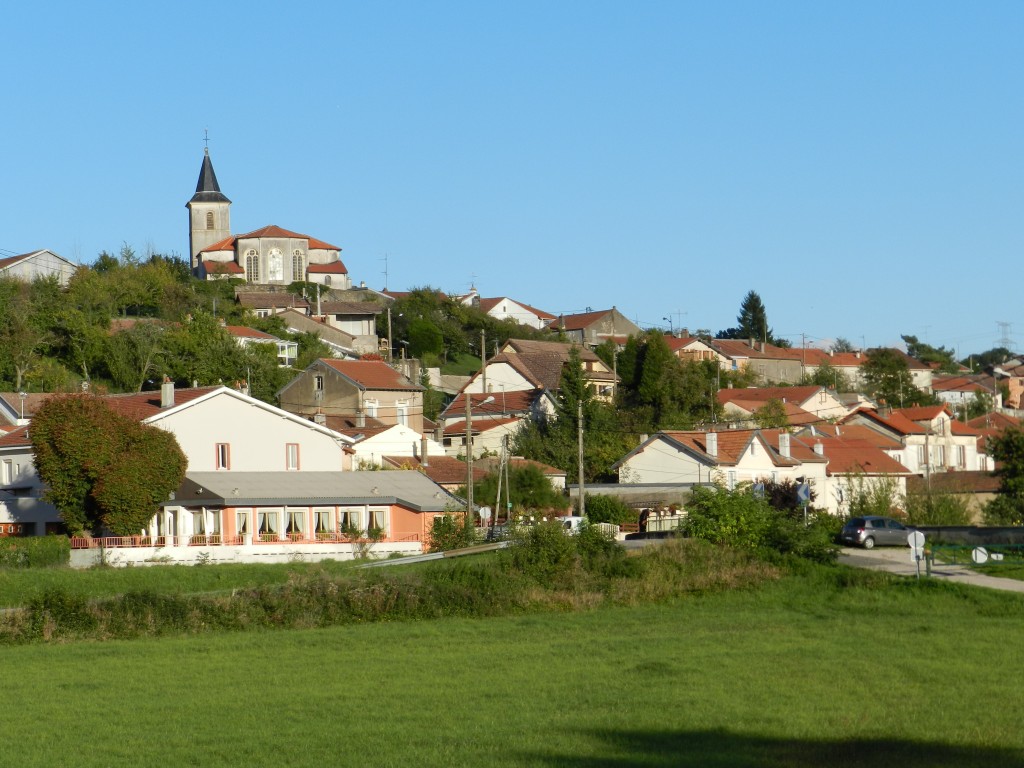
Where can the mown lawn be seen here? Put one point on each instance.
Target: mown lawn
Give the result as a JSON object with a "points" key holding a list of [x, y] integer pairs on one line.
{"points": [[811, 670]]}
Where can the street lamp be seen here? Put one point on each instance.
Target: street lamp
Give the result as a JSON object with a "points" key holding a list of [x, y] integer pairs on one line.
{"points": [[469, 450], [671, 332]]}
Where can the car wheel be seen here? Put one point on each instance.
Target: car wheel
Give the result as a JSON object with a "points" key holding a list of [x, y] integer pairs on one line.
{"points": [[869, 543]]}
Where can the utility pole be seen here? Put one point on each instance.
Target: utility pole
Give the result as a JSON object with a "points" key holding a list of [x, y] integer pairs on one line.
{"points": [[483, 360], [469, 457], [389, 333], [583, 494]]}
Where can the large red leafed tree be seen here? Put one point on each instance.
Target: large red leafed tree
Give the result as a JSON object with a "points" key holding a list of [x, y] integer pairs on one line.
{"points": [[101, 469]]}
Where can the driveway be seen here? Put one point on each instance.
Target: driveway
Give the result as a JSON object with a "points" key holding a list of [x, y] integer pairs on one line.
{"points": [[897, 560]]}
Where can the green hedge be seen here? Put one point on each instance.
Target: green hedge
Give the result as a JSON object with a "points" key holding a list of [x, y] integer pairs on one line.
{"points": [[35, 551]]}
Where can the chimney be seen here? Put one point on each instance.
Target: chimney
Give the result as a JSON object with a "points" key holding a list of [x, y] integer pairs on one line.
{"points": [[167, 393], [762, 347], [819, 448], [838, 433], [784, 445], [423, 452], [712, 444], [750, 342], [857, 353], [643, 438]]}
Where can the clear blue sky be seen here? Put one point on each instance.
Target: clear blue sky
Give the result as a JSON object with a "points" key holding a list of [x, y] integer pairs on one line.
{"points": [[860, 165]]}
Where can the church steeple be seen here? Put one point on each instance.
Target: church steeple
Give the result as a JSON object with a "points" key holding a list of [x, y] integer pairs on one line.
{"points": [[209, 212]]}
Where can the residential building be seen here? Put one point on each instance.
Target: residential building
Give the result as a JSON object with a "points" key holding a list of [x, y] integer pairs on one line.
{"points": [[504, 308], [287, 351], [42, 263], [821, 403], [592, 328]]}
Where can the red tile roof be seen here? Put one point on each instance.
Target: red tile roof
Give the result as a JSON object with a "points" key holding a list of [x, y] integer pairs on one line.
{"points": [[370, 374], [242, 332], [519, 401], [577, 322], [795, 395], [851, 456], [222, 267], [443, 470], [334, 268], [272, 230], [16, 438]]}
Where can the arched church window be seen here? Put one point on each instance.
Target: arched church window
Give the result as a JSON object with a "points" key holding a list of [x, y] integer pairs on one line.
{"points": [[275, 265], [252, 267], [209, 219], [298, 266]]}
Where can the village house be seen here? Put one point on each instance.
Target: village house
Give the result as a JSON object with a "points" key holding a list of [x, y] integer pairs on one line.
{"points": [[36, 264], [358, 388], [592, 328], [806, 404]]}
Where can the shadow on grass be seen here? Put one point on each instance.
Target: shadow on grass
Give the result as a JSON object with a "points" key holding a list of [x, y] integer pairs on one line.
{"points": [[723, 749]]}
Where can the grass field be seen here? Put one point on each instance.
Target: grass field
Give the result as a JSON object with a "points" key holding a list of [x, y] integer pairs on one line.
{"points": [[811, 670]]}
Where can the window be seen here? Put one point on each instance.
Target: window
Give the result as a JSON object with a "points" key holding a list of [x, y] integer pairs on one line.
{"points": [[209, 219], [298, 266], [322, 520], [223, 459], [295, 523], [821, 397], [275, 265], [921, 459], [961, 456], [402, 414], [732, 480], [242, 522], [8, 476], [318, 383], [291, 457], [371, 408], [378, 520], [267, 525], [940, 455], [349, 520], [327, 279], [252, 266]]}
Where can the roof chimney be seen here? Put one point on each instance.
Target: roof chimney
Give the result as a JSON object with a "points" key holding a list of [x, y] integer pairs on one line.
{"points": [[423, 452], [167, 393], [762, 346], [750, 342], [784, 445], [712, 444], [819, 448]]}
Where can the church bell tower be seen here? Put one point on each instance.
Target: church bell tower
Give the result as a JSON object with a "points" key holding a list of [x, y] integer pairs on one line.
{"points": [[209, 213]]}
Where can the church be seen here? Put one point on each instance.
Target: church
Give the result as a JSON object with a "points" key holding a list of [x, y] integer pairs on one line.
{"points": [[267, 256]]}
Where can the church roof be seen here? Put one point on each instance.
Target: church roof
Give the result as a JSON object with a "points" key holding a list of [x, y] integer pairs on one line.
{"points": [[272, 230], [207, 188]]}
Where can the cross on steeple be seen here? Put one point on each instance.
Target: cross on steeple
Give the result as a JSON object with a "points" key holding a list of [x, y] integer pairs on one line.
{"points": [[206, 140]]}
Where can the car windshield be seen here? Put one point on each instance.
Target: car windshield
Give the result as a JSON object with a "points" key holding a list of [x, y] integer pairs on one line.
{"points": [[856, 522]]}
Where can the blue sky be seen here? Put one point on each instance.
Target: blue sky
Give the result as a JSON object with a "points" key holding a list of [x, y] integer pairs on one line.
{"points": [[859, 165]]}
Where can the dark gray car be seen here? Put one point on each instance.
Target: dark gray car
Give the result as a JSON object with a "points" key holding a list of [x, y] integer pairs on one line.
{"points": [[869, 530]]}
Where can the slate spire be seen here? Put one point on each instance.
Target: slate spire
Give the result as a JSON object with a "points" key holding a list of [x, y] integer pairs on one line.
{"points": [[207, 189]]}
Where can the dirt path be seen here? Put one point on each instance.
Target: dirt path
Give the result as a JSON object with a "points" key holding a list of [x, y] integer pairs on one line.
{"points": [[897, 560]]}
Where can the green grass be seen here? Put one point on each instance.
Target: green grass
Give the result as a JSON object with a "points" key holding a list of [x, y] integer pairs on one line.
{"points": [[826, 667], [18, 586], [463, 365]]}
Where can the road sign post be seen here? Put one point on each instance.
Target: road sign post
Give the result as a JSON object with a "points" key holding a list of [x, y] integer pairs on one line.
{"points": [[915, 540]]}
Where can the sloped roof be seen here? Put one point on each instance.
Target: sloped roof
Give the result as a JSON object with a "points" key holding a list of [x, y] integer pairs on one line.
{"points": [[334, 268], [515, 462], [762, 395], [207, 188], [517, 401], [350, 307], [851, 456], [484, 424], [856, 432], [270, 300], [444, 470], [578, 322], [795, 415], [10, 261], [272, 230], [16, 438], [969, 481], [222, 267], [488, 304], [370, 374], [408, 489]]}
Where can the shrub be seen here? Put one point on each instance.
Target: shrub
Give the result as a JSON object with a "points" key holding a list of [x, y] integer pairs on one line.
{"points": [[544, 553], [608, 509], [936, 508], [451, 532], [35, 552]]}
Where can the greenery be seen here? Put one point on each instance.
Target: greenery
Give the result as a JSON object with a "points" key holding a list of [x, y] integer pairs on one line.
{"points": [[937, 508], [1007, 508], [944, 358], [827, 375], [747, 521], [34, 551], [872, 496], [609, 509], [101, 469], [887, 378], [453, 531], [602, 686], [752, 323], [771, 415], [528, 490]]}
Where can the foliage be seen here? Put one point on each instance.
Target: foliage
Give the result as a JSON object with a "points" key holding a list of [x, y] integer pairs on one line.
{"points": [[34, 551], [936, 508], [602, 508], [742, 519], [752, 322], [842, 344], [980, 404], [103, 469], [827, 375], [453, 531], [929, 354], [783, 496], [425, 338], [528, 490], [872, 496], [1007, 449], [988, 359], [887, 377], [771, 415]]}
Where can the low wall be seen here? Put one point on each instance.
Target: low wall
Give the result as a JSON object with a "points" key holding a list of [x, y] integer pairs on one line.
{"points": [[259, 553], [972, 535]]}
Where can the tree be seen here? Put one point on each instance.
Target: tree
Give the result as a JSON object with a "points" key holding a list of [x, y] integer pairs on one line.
{"points": [[1008, 451], [887, 377], [842, 344], [929, 354], [771, 415], [102, 469], [827, 375], [752, 322]]}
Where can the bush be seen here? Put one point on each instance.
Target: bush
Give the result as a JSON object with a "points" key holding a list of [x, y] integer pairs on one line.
{"points": [[35, 552], [936, 508], [543, 552], [608, 509], [451, 532]]}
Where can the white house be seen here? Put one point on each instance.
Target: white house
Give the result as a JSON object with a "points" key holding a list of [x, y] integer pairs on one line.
{"points": [[42, 263]]}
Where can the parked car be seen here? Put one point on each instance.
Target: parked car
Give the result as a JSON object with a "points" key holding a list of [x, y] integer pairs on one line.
{"points": [[871, 530]]}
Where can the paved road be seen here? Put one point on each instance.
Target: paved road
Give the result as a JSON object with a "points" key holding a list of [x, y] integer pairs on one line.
{"points": [[897, 560]]}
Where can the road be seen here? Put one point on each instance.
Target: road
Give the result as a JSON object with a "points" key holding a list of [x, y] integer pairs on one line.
{"points": [[897, 560]]}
